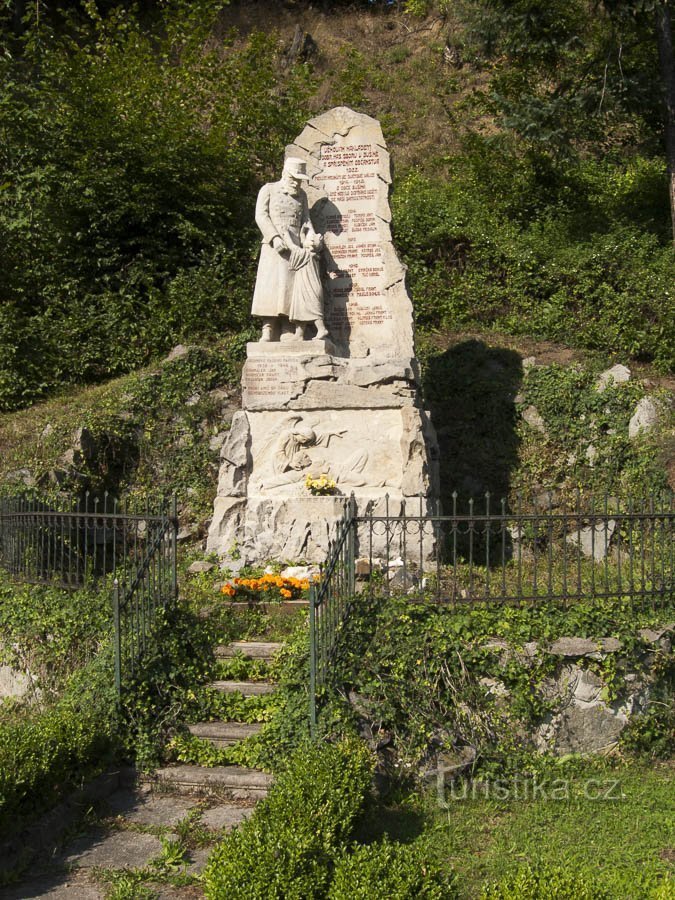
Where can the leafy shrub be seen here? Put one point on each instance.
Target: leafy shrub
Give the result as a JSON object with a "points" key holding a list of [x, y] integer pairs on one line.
{"points": [[567, 253], [288, 847], [131, 156], [653, 733], [178, 658], [45, 753], [545, 883], [389, 871], [51, 632]]}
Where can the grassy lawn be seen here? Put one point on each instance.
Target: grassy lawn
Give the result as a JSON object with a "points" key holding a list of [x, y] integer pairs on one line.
{"points": [[615, 824]]}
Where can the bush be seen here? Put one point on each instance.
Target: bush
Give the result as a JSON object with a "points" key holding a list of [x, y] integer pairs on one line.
{"points": [[288, 847], [568, 253], [178, 658], [545, 883], [51, 632], [132, 153], [45, 753], [389, 871]]}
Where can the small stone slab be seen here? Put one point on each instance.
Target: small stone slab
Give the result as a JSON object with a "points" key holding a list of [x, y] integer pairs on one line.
{"points": [[112, 850], [201, 565], [222, 734], [149, 809], [253, 649], [650, 636], [237, 781], [247, 688], [226, 816], [570, 646]]}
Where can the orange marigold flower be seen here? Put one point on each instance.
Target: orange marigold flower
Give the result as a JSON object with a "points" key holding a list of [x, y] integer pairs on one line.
{"points": [[228, 590], [286, 593]]}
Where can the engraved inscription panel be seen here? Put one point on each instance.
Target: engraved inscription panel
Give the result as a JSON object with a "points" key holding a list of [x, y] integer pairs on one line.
{"points": [[357, 307], [269, 380]]}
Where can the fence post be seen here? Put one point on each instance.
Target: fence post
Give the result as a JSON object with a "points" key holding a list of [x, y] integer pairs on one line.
{"points": [[351, 546], [174, 548], [117, 637], [312, 661]]}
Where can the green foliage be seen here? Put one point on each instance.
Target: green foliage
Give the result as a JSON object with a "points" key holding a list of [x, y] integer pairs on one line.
{"points": [[652, 734], [390, 871], [51, 632], [46, 752], [289, 845], [568, 74], [564, 252], [179, 657], [418, 672], [149, 431], [545, 883], [131, 156], [576, 415]]}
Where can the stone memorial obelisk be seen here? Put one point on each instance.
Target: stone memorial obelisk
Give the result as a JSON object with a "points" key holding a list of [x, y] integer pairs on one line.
{"points": [[331, 388]]}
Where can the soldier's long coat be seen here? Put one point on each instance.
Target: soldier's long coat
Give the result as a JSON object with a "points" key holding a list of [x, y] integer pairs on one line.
{"points": [[278, 213]]}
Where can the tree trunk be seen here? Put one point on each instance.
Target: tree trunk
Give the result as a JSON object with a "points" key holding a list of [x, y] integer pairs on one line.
{"points": [[664, 37]]}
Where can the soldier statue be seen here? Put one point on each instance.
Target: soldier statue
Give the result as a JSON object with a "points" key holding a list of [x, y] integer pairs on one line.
{"points": [[288, 291]]}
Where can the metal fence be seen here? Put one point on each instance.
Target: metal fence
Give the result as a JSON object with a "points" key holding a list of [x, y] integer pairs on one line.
{"points": [[88, 541], [329, 604], [551, 549]]}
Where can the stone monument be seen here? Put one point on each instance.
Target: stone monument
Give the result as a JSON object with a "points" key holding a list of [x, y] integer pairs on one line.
{"points": [[330, 398]]}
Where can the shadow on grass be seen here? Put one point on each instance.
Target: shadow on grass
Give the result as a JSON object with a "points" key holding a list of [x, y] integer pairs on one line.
{"points": [[399, 823]]}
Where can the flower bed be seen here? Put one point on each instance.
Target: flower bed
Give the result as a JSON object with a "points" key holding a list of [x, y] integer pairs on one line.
{"points": [[268, 587]]}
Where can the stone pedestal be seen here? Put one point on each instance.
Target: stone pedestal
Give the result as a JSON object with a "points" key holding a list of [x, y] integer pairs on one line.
{"points": [[347, 408]]}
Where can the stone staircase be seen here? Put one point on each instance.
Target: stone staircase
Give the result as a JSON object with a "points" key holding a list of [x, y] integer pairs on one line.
{"points": [[232, 782]]}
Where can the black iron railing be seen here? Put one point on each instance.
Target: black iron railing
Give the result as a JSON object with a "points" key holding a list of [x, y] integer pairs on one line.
{"points": [[562, 549], [329, 603], [87, 541], [552, 549]]}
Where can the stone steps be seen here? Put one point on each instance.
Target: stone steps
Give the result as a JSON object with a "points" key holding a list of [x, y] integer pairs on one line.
{"points": [[263, 650], [222, 734], [235, 782], [247, 688]]}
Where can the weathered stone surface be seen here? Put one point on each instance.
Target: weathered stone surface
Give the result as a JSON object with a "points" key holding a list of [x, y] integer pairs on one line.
{"points": [[112, 850], [62, 886], [533, 418], [200, 565], [594, 539], [570, 646], [178, 352], [15, 684], [301, 572], [616, 375], [662, 637], [591, 454], [226, 816], [645, 418], [148, 809], [367, 306]]}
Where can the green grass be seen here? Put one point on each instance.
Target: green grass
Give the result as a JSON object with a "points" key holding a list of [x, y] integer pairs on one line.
{"points": [[625, 838]]}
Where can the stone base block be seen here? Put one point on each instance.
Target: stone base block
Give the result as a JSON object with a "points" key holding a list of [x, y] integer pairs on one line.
{"points": [[283, 529]]}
